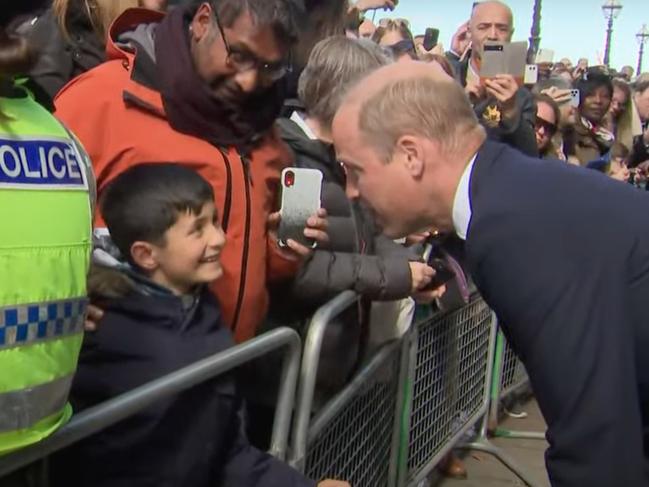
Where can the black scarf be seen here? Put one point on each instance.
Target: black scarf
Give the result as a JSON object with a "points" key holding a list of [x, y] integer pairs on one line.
{"points": [[189, 104]]}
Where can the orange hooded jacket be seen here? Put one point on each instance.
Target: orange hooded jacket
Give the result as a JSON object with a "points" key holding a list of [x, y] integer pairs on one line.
{"points": [[122, 123]]}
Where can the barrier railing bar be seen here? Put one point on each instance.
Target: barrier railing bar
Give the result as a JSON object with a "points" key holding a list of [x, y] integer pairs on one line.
{"points": [[398, 458], [309, 369], [482, 443], [110, 412], [497, 394]]}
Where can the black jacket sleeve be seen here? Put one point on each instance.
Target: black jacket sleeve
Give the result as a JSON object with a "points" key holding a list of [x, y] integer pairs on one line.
{"points": [[54, 66], [640, 152], [374, 277], [519, 132], [249, 467]]}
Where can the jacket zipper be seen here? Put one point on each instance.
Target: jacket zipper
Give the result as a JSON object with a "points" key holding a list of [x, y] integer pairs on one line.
{"points": [[227, 205], [246, 244]]}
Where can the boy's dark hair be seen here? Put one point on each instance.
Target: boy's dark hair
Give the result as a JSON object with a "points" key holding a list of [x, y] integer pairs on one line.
{"points": [[591, 81], [143, 202]]}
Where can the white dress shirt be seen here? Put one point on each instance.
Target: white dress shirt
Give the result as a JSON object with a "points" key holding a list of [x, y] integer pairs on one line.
{"points": [[462, 202]]}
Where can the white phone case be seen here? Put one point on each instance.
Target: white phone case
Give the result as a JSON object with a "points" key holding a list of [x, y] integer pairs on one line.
{"points": [[301, 192], [531, 74]]}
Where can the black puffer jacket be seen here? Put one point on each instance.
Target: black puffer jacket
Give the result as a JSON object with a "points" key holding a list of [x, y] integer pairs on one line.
{"points": [[357, 257], [61, 59]]}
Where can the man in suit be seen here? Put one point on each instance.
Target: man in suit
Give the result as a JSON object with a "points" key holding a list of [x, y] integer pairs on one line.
{"points": [[560, 253]]}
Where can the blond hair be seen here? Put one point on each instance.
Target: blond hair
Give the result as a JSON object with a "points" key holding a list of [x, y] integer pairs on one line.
{"points": [[435, 109], [335, 64], [101, 13]]}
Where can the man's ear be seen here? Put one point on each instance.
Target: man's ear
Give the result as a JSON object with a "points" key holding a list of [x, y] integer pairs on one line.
{"points": [[201, 23], [413, 154], [145, 255]]}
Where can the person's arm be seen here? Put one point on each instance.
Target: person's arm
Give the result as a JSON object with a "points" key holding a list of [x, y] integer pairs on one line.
{"points": [[382, 279], [640, 152], [518, 113], [364, 5], [249, 467]]}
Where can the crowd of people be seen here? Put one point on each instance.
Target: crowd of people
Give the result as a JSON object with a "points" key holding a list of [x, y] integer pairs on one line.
{"points": [[171, 125]]}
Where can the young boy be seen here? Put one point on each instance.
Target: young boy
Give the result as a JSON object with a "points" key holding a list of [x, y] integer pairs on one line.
{"points": [[159, 317]]}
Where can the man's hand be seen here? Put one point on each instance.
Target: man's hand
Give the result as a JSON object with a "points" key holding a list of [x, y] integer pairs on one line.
{"points": [[416, 238], [421, 274], [460, 40], [504, 88], [425, 297], [333, 483], [474, 90], [93, 317], [365, 5], [316, 229]]}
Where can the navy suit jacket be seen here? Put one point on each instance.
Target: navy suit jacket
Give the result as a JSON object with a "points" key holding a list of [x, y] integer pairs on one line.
{"points": [[562, 256]]}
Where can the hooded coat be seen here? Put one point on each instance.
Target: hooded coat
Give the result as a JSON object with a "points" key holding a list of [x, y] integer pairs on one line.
{"points": [[194, 438], [121, 116]]}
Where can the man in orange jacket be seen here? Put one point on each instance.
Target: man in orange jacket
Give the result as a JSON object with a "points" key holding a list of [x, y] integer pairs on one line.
{"points": [[201, 87]]}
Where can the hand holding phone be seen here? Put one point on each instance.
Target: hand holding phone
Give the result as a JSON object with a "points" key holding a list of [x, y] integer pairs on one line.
{"points": [[431, 38], [301, 189], [443, 272]]}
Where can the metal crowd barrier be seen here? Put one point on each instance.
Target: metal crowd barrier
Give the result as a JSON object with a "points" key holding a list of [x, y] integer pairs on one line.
{"points": [[509, 377], [352, 437], [448, 385], [407, 408], [110, 412]]}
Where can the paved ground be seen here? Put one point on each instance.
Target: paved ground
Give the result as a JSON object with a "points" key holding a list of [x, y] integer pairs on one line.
{"points": [[485, 471]]}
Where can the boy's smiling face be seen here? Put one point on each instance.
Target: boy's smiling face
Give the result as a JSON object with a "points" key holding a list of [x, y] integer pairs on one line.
{"points": [[191, 252]]}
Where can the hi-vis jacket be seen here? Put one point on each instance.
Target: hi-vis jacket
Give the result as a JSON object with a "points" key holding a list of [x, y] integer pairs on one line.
{"points": [[45, 242]]}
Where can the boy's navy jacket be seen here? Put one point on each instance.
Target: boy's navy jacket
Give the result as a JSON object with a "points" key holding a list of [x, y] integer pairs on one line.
{"points": [[193, 439]]}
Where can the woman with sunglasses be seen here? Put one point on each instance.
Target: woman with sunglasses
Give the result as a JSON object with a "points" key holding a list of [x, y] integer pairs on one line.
{"points": [[395, 35], [546, 126]]}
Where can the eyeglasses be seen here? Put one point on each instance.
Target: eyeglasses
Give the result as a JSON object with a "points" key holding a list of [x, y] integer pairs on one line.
{"points": [[246, 61], [548, 127]]}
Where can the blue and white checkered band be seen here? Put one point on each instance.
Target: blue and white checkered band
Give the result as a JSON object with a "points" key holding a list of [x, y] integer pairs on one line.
{"points": [[32, 323], [41, 163]]}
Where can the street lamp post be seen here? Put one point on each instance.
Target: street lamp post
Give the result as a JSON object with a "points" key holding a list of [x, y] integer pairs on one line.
{"points": [[611, 10], [535, 34], [642, 37]]}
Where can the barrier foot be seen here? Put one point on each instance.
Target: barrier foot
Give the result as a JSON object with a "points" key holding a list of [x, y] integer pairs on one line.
{"points": [[485, 446], [518, 435]]}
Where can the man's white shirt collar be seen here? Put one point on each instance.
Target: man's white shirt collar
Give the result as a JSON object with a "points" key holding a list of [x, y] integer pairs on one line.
{"points": [[462, 202], [300, 122]]}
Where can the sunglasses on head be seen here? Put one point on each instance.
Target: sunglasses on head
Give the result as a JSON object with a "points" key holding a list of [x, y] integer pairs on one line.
{"points": [[386, 23]]}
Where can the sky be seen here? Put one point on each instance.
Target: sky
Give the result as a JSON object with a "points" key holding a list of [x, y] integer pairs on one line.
{"points": [[572, 28]]}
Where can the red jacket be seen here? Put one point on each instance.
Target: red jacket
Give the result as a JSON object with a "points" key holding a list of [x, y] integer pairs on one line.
{"points": [[122, 122]]}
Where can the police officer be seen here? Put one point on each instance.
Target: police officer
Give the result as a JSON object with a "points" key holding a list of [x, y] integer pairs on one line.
{"points": [[45, 244]]}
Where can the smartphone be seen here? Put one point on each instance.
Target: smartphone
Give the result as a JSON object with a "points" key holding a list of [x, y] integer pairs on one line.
{"points": [[443, 272], [531, 74], [575, 98], [431, 38], [494, 61], [301, 192], [545, 56]]}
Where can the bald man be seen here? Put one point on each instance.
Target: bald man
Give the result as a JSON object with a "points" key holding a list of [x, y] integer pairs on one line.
{"points": [[560, 253], [505, 110]]}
